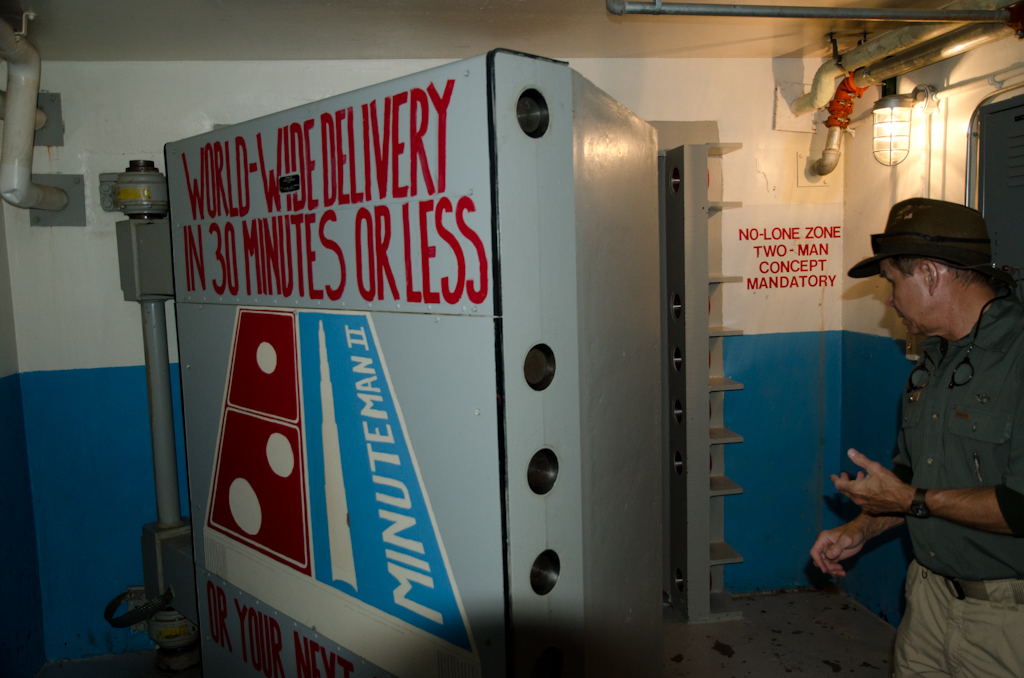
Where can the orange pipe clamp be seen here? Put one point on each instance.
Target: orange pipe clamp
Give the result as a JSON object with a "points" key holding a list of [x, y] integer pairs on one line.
{"points": [[841, 105]]}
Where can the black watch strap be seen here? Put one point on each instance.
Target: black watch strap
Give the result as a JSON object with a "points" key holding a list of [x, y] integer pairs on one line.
{"points": [[918, 507]]}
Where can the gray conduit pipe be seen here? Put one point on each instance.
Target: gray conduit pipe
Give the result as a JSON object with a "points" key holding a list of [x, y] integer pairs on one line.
{"points": [[620, 7], [955, 42], [16, 185], [887, 44], [161, 418]]}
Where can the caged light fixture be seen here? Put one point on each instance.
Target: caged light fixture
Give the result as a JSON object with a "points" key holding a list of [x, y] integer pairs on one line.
{"points": [[892, 128]]}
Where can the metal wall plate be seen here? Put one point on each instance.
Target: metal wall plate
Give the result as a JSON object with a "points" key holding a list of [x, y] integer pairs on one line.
{"points": [[807, 177], [785, 121], [74, 213], [52, 133]]}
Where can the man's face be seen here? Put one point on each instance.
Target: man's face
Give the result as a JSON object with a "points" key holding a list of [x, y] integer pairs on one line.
{"points": [[909, 296]]}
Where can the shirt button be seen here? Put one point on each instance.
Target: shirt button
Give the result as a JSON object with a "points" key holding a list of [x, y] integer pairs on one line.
{"points": [[932, 553], [930, 461], [974, 427], [935, 416]]}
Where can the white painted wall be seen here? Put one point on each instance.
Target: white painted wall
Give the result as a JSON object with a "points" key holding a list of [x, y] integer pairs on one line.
{"points": [[871, 189], [68, 307], [740, 95]]}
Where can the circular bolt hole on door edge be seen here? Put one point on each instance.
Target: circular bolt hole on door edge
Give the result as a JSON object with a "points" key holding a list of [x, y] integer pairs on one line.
{"points": [[539, 367], [532, 113], [542, 471], [544, 573]]}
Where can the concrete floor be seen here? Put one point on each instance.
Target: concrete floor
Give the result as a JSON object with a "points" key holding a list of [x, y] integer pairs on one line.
{"points": [[811, 632]]}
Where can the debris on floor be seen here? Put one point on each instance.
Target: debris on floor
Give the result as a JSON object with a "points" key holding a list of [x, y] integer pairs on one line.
{"points": [[813, 632]]}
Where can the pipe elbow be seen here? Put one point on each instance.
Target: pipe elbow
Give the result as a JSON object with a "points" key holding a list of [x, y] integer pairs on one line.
{"points": [[33, 196], [828, 161], [12, 191], [616, 7], [21, 117], [14, 50], [821, 89]]}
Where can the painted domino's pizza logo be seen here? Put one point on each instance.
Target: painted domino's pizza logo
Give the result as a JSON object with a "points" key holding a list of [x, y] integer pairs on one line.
{"points": [[314, 467]]}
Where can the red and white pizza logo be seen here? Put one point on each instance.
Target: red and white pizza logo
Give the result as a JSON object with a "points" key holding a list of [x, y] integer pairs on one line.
{"points": [[258, 495]]}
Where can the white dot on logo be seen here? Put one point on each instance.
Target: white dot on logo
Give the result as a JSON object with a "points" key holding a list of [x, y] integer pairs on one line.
{"points": [[245, 506], [280, 455], [266, 357]]}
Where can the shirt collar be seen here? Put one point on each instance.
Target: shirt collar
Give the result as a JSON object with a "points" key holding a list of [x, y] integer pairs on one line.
{"points": [[999, 325]]}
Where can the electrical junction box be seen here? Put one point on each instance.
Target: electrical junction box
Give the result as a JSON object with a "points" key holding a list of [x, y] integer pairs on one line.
{"points": [[419, 337], [144, 258]]}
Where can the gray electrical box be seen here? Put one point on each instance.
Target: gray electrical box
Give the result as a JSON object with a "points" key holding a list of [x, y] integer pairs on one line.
{"points": [[144, 258], [419, 340], [167, 561]]}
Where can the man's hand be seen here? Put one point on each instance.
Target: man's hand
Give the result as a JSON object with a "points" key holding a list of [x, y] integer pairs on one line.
{"points": [[838, 544], [877, 493]]}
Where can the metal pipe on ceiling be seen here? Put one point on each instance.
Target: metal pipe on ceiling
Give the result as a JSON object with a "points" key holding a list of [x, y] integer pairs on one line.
{"points": [[875, 49], [621, 7], [879, 47], [955, 42]]}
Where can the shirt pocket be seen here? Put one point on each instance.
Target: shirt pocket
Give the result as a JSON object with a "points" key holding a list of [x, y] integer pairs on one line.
{"points": [[984, 436], [991, 427], [911, 410]]}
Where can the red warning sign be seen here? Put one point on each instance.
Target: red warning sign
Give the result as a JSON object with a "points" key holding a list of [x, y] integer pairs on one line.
{"points": [[258, 495]]}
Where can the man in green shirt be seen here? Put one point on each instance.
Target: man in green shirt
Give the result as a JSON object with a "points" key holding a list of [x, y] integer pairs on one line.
{"points": [[958, 478]]}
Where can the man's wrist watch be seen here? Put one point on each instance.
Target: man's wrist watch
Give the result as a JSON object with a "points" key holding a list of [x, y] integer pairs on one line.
{"points": [[918, 507]]}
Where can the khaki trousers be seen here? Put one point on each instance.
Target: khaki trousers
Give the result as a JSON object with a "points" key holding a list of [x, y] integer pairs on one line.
{"points": [[942, 637]]}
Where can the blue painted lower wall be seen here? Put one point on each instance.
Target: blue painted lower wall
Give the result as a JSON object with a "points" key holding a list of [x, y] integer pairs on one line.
{"points": [[807, 398], [85, 444], [788, 414], [875, 370], [90, 458], [21, 610]]}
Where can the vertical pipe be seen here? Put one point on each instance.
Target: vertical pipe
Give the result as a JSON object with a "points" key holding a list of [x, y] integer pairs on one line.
{"points": [[926, 189], [161, 418], [23, 69]]}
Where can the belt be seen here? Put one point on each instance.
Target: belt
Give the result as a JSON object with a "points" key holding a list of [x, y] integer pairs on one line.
{"points": [[961, 588]]}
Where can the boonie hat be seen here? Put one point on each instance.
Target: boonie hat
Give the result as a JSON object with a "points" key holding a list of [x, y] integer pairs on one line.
{"points": [[934, 229]]}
